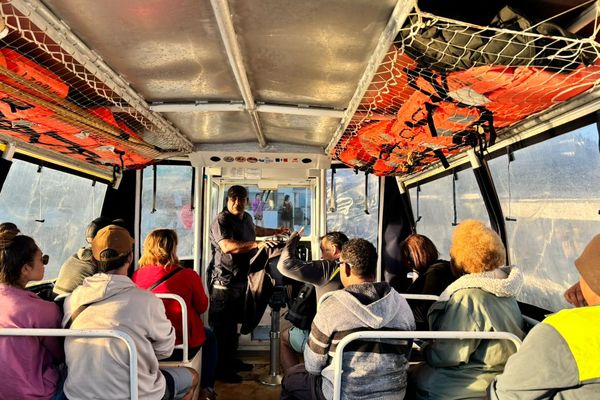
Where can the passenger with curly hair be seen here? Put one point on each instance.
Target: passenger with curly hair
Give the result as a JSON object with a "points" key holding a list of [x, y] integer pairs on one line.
{"points": [[29, 364], [481, 300]]}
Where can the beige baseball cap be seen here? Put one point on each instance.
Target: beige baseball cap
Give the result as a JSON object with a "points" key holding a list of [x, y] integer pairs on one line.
{"points": [[111, 243]]}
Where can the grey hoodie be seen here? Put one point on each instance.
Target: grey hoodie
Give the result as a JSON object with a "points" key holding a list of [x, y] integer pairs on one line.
{"points": [[98, 368], [368, 306]]}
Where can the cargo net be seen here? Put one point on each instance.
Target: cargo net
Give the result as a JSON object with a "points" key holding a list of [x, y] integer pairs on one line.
{"points": [[49, 99], [446, 86]]}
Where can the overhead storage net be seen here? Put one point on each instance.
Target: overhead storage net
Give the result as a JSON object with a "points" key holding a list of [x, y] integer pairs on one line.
{"points": [[57, 94], [446, 86]]}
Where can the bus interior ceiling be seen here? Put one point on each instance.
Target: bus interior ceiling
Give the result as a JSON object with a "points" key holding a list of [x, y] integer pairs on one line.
{"points": [[277, 94]]}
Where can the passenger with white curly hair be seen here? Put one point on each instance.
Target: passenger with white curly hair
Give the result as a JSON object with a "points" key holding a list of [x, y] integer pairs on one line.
{"points": [[482, 299]]}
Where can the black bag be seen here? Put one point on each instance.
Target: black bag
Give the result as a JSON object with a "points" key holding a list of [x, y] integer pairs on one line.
{"points": [[303, 308]]}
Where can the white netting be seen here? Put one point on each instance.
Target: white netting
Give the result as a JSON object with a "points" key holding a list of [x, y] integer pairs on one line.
{"points": [[74, 107], [446, 85]]}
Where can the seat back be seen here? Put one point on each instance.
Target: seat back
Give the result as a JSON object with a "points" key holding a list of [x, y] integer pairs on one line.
{"points": [[88, 333], [184, 321], [382, 335]]}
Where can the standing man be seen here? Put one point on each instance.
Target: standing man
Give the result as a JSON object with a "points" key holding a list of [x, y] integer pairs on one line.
{"points": [[233, 240]]}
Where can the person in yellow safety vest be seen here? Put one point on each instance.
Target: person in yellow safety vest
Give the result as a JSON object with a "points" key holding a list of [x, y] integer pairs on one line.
{"points": [[560, 358]]}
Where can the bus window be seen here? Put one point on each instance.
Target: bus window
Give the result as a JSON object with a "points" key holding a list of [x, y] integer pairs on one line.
{"points": [[268, 210], [436, 207], [349, 215], [65, 203], [553, 197], [173, 204], [435, 211], [469, 203]]}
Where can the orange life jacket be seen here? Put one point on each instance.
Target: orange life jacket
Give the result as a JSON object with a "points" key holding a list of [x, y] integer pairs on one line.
{"points": [[440, 115], [21, 117]]}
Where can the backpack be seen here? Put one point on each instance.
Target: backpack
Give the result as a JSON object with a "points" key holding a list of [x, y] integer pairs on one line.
{"points": [[303, 308], [447, 45]]}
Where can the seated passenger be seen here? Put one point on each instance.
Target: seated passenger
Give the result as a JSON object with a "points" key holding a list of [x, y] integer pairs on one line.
{"points": [[160, 272], [417, 252], [28, 363], [323, 274], [559, 358], [79, 266], [9, 226], [482, 300], [110, 300], [371, 371]]}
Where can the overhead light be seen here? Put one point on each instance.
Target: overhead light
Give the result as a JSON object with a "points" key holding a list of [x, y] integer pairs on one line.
{"points": [[3, 29]]}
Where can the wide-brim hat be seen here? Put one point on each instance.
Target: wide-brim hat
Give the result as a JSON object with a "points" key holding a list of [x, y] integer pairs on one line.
{"points": [[588, 264]]}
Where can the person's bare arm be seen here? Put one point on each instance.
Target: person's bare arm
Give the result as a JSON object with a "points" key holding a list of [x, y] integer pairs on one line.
{"points": [[230, 246], [260, 231]]}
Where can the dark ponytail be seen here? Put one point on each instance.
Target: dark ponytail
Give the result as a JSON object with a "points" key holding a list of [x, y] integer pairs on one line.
{"points": [[15, 251]]}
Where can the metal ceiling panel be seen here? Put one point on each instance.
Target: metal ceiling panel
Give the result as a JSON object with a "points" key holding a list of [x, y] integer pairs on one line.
{"points": [[167, 50], [308, 52], [298, 129], [214, 127]]}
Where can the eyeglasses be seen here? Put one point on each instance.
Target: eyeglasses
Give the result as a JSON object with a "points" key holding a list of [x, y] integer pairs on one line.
{"points": [[340, 263], [45, 259]]}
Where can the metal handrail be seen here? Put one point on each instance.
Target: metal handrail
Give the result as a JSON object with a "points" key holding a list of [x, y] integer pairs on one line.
{"points": [[530, 321], [410, 296], [337, 359], [94, 333], [184, 322], [407, 296]]}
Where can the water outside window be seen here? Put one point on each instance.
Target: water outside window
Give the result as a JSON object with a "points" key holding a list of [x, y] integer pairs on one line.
{"points": [[173, 209], [349, 215], [286, 206], [436, 209], [553, 198], [52, 207]]}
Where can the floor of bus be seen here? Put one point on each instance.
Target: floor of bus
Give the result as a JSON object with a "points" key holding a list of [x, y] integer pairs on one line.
{"points": [[250, 388]]}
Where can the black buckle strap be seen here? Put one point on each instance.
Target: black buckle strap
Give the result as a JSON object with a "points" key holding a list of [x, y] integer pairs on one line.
{"points": [[164, 278]]}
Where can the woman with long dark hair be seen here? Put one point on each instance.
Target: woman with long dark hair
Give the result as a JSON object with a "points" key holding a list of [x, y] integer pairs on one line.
{"points": [[417, 252], [29, 364]]}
